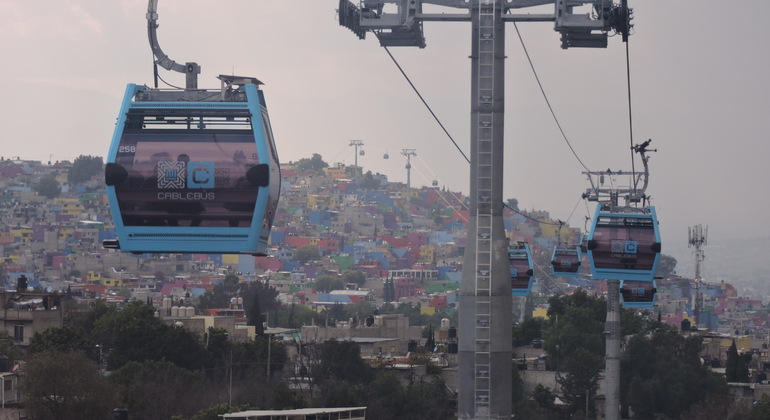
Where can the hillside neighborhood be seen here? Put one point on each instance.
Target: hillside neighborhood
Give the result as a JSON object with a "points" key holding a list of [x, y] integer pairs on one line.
{"points": [[383, 242]]}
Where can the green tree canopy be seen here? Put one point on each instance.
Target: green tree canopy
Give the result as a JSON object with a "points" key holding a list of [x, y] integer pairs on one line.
{"points": [[342, 360], [8, 348], [666, 266], [135, 334], [354, 276], [307, 253], [369, 182], [84, 167], [64, 339], [158, 390], [48, 187], [313, 164], [580, 380], [327, 283], [66, 386], [662, 375]]}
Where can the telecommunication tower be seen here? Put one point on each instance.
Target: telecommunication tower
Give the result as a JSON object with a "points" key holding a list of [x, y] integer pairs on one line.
{"points": [[485, 300], [408, 153], [697, 236]]}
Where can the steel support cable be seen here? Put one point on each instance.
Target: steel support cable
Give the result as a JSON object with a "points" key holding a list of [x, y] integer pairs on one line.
{"points": [[426, 104], [630, 115], [435, 117], [545, 97]]}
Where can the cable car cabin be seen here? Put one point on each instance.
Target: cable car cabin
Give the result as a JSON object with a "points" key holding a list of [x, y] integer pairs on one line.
{"points": [[565, 262], [624, 244], [193, 171], [520, 263], [638, 294]]}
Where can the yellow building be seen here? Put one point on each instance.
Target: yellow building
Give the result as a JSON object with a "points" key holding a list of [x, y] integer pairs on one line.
{"points": [[112, 282], [317, 201], [336, 173], [427, 254], [22, 235], [69, 206], [66, 232], [94, 278]]}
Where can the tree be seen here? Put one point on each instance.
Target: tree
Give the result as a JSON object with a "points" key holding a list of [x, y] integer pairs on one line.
{"points": [[327, 283], [530, 329], [83, 168], [369, 182], [341, 360], [761, 409], [662, 375], [580, 382], [731, 365], [513, 203], [543, 396], [578, 322], [66, 386], [255, 316], [9, 349], [313, 164], [48, 187], [307, 253], [737, 365], [64, 339], [666, 266], [135, 334], [158, 390], [354, 276]]}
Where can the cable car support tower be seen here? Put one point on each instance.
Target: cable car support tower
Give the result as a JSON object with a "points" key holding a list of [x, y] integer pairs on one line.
{"points": [[485, 300]]}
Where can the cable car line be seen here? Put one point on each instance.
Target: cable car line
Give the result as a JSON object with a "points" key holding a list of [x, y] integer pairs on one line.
{"points": [[545, 97], [426, 104]]}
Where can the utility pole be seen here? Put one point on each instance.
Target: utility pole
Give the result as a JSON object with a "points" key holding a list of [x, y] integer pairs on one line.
{"points": [[485, 300], [356, 144], [697, 237]]}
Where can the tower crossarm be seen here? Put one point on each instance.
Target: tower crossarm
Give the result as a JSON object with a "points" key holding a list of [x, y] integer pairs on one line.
{"points": [[582, 23]]}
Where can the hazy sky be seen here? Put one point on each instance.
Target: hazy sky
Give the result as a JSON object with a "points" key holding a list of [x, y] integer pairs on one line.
{"points": [[699, 77]]}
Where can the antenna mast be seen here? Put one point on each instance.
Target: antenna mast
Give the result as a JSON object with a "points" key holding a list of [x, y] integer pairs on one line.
{"points": [[698, 237]]}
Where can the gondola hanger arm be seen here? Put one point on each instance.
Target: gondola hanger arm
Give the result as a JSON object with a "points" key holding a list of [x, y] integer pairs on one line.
{"points": [[190, 69]]}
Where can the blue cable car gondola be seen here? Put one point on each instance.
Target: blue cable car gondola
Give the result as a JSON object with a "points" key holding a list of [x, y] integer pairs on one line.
{"points": [[624, 244], [520, 264], [638, 294], [193, 171], [565, 262]]}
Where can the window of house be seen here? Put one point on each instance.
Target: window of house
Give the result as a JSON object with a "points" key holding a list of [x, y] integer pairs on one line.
{"points": [[18, 333]]}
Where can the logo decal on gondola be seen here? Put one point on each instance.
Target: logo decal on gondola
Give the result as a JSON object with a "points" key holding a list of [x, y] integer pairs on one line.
{"points": [[171, 175], [200, 175], [620, 246]]}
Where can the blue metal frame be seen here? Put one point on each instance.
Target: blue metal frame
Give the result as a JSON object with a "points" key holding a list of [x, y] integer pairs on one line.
{"points": [[524, 250], [576, 250], [177, 239], [624, 274]]}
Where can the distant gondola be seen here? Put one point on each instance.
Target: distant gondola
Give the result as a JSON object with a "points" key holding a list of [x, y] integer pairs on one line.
{"points": [[638, 294], [520, 264], [565, 262], [193, 170]]}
